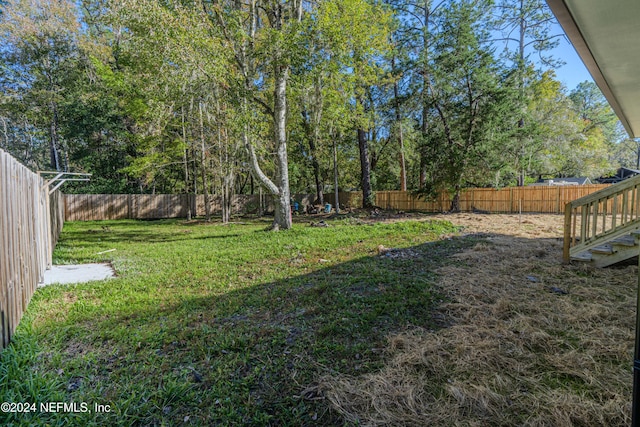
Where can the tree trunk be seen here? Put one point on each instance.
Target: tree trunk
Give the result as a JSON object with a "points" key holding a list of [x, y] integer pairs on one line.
{"points": [[53, 138], [423, 172], [365, 177], [282, 218], [455, 202], [316, 171], [203, 169], [335, 176], [521, 82], [403, 168], [186, 168], [194, 177], [522, 175], [279, 188], [224, 172], [317, 115], [186, 185], [396, 95], [422, 180], [227, 184], [365, 166]]}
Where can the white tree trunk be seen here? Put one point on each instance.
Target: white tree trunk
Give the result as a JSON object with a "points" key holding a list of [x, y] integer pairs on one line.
{"points": [[203, 161], [282, 219]]}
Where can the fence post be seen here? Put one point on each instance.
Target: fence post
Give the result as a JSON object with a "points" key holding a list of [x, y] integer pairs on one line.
{"points": [[566, 246], [510, 200], [558, 202], [473, 198]]}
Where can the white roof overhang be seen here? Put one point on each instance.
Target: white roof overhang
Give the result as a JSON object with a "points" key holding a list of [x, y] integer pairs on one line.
{"points": [[606, 35]]}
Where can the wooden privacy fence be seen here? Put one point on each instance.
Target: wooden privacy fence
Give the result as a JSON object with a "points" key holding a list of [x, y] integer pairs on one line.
{"points": [[30, 223], [96, 207], [551, 199], [91, 207], [538, 199], [56, 216]]}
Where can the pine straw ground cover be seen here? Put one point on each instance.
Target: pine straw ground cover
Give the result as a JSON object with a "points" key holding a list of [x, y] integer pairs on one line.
{"points": [[524, 340]]}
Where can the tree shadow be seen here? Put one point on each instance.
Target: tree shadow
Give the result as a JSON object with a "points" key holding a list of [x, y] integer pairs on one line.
{"points": [[104, 233], [252, 355]]}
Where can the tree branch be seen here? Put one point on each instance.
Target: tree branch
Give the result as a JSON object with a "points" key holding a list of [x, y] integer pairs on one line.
{"points": [[267, 109], [253, 158]]}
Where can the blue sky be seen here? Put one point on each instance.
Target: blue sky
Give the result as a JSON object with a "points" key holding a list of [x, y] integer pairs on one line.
{"points": [[573, 71]]}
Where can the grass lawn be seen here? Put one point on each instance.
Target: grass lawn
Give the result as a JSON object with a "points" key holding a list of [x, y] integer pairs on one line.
{"points": [[211, 324]]}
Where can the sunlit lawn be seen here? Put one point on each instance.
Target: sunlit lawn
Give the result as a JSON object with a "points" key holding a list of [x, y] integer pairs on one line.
{"points": [[213, 324]]}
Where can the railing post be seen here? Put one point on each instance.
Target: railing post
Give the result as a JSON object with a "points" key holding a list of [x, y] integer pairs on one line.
{"points": [[567, 233]]}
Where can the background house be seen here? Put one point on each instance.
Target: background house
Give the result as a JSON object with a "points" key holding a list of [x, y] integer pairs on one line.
{"points": [[563, 181], [620, 175]]}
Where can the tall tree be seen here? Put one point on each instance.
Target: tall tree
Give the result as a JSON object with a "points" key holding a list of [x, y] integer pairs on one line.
{"points": [[360, 33], [471, 100], [527, 30], [270, 32], [172, 52], [346, 41], [40, 52], [414, 37]]}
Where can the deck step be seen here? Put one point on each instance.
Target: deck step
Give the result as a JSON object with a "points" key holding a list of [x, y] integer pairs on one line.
{"points": [[624, 241], [582, 257], [611, 252], [606, 249]]}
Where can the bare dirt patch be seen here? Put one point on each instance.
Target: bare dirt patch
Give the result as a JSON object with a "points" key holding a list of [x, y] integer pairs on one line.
{"points": [[525, 340], [526, 225]]}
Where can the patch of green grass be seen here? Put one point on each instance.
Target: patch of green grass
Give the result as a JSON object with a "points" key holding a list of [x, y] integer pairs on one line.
{"points": [[212, 324]]}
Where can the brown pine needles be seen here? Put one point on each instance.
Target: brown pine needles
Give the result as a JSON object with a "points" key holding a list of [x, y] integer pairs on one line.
{"points": [[524, 340]]}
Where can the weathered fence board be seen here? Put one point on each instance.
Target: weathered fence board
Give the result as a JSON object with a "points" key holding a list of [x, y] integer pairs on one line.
{"points": [[30, 223], [89, 207]]}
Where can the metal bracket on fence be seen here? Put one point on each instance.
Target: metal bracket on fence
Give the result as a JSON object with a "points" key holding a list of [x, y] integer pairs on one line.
{"points": [[62, 177]]}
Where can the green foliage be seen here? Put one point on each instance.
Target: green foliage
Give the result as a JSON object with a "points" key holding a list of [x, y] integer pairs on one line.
{"points": [[577, 132], [164, 96], [594, 111], [343, 38], [471, 103], [40, 56]]}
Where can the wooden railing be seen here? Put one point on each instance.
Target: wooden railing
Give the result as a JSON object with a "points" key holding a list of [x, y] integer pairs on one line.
{"points": [[604, 215]]}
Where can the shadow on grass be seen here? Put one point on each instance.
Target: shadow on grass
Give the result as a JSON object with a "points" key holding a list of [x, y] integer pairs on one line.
{"points": [[247, 356], [145, 232]]}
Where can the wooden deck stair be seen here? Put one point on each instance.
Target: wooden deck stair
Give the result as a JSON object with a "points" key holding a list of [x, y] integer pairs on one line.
{"points": [[603, 228], [612, 252]]}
